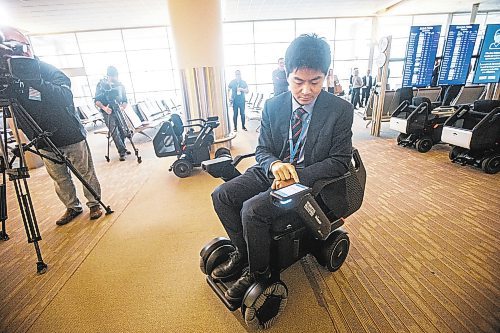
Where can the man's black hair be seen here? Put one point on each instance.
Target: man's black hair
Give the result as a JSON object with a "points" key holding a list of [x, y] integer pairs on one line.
{"points": [[308, 51], [112, 71]]}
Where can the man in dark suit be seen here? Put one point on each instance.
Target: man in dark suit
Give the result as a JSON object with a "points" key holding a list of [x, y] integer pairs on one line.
{"points": [[305, 136], [367, 87]]}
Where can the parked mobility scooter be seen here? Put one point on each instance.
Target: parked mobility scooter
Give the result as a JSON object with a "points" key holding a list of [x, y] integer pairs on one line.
{"points": [[191, 148], [474, 134], [418, 124], [312, 225]]}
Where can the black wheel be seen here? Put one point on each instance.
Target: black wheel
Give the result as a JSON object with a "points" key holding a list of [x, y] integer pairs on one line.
{"points": [[334, 252], [455, 151], [263, 303], [182, 168], [401, 137], [424, 144], [222, 151], [215, 253], [491, 164]]}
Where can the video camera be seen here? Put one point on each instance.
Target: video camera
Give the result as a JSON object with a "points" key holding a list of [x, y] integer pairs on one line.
{"points": [[15, 68]]}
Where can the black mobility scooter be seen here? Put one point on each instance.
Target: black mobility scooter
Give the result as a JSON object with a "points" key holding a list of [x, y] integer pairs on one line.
{"points": [[418, 124], [191, 148], [475, 135], [311, 226]]}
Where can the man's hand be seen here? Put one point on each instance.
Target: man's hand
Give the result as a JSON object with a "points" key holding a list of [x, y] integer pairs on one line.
{"points": [[277, 184], [107, 109], [284, 171]]}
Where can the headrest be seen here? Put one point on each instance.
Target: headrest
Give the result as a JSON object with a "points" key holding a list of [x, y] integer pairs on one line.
{"points": [[416, 101], [178, 126], [486, 105]]}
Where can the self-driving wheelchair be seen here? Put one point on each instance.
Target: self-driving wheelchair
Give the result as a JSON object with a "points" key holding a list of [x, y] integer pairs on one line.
{"points": [[474, 134], [312, 226], [191, 148], [418, 124]]}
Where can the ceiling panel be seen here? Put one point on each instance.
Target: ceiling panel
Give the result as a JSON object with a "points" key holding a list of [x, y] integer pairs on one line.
{"points": [[46, 16]]}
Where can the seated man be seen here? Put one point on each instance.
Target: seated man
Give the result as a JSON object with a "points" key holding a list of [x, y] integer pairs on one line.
{"points": [[305, 136]]}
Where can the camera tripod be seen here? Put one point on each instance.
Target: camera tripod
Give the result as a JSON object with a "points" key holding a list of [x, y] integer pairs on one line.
{"points": [[19, 174], [121, 126]]}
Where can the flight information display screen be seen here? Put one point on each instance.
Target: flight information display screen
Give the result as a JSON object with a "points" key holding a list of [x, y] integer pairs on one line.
{"points": [[420, 55], [488, 67], [457, 54]]}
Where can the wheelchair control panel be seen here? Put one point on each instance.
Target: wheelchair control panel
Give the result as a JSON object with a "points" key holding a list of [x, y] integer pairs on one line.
{"points": [[298, 197]]}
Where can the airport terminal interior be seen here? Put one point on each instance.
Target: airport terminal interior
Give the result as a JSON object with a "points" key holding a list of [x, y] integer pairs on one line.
{"points": [[410, 242]]}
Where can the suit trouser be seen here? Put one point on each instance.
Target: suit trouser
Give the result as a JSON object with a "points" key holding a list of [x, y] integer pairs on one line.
{"points": [[79, 155], [246, 211], [355, 98], [365, 95], [241, 107]]}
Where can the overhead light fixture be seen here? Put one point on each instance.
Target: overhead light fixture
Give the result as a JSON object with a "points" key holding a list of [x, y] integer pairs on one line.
{"points": [[390, 6]]}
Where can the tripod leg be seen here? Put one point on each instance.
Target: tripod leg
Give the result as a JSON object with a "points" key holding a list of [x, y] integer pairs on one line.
{"points": [[136, 151], [3, 210], [29, 220]]}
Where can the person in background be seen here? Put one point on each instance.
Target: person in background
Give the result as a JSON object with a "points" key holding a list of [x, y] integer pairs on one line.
{"points": [[357, 83], [280, 82], [238, 88], [110, 91], [330, 82], [435, 73], [367, 87]]}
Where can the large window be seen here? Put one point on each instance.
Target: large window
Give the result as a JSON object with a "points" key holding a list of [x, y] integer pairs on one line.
{"points": [[142, 57]]}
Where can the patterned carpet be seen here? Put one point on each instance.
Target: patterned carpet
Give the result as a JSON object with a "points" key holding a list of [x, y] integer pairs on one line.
{"points": [[424, 254]]}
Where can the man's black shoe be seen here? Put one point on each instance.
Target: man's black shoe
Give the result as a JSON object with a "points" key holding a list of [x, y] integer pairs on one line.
{"points": [[128, 152], [68, 216], [240, 287], [230, 268], [122, 158], [245, 129]]}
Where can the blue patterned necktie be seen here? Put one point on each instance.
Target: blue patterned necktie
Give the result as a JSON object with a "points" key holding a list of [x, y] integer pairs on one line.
{"points": [[296, 130]]}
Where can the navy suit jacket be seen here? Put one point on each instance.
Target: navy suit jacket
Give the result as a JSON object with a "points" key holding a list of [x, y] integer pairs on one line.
{"points": [[328, 148]]}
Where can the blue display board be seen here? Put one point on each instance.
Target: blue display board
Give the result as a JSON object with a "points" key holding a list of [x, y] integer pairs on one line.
{"points": [[420, 55], [488, 67], [457, 54]]}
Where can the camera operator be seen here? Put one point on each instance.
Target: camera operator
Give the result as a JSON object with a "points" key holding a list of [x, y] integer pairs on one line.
{"points": [[49, 101], [109, 92]]}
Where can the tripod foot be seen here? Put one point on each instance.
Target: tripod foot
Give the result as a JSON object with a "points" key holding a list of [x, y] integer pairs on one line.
{"points": [[107, 158], [41, 267], [139, 159], [108, 210], [4, 236]]}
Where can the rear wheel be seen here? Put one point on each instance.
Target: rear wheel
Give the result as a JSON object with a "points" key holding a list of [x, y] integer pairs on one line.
{"points": [[222, 151], [424, 144], [455, 151], [401, 137], [334, 252], [491, 164], [182, 168]]}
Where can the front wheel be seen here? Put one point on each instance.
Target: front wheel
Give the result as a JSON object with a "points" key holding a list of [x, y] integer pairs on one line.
{"points": [[263, 303], [401, 137], [222, 151]]}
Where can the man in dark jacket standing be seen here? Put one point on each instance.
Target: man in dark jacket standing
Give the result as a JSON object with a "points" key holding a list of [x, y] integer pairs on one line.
{"points": [[50, 103], [280, 82]]}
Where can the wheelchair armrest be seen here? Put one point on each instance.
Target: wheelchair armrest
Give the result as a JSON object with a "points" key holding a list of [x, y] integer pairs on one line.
{"points": [[320, 184], [239, 158]]}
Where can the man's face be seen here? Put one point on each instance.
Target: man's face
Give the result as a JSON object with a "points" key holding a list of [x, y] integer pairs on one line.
{"points": [[237, 75], [368, 72], [305, 84], [113, 79], [281, 64]]}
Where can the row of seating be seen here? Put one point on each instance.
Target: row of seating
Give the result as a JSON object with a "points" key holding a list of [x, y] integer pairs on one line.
{"points": [[141, 116], [393, 98]]}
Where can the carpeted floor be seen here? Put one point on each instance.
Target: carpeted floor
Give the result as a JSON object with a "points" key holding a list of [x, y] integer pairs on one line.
{"points": [[424, 254]]}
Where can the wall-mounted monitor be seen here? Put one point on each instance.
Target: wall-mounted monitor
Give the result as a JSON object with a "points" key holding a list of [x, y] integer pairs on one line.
{"points": [[420, 55], [457, 54], [488, 64]]}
